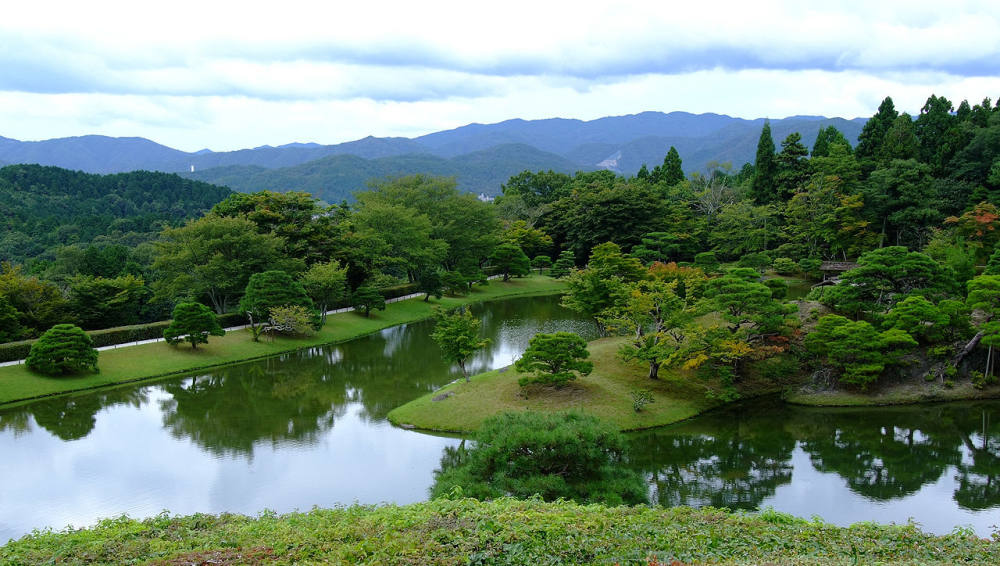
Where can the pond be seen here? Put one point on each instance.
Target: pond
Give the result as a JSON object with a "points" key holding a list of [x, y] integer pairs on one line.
{"points": [[309, 429]]}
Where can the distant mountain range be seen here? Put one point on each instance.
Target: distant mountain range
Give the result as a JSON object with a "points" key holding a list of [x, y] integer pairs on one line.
{"points": [[480, 156]]}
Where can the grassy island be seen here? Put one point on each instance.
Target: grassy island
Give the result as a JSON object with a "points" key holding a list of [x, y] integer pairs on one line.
{"points": [[606, 393], [504, 531], [148, 361]]}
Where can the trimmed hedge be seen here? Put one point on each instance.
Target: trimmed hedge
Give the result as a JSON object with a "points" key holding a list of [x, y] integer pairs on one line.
{"points": [[11, 351], [399, 290]]}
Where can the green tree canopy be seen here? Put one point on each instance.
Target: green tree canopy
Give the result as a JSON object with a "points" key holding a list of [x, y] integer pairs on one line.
{"points": [[214, 257], [366, 298], [457, 334], [554, 359], [310, 232], [326, 285], [671, 172], [462, 228], [509, 260], [563, 265], [193, 323], [857, 349], [10, 326], [100, 302]]}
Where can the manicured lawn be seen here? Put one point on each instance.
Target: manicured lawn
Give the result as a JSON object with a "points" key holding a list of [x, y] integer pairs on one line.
{"points": [[148, 361], [605, 393], [506, 531]]}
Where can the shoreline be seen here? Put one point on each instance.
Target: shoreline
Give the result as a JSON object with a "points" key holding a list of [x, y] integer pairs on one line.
{"points": [[124, 366]]}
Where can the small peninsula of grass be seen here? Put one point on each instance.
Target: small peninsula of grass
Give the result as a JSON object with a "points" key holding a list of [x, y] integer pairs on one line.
{"points": [[148, 361], [605, 393], [504, 531]]}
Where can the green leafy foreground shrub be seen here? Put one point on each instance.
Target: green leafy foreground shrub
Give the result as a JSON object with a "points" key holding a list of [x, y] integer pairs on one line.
{"points": [[503, 531]]}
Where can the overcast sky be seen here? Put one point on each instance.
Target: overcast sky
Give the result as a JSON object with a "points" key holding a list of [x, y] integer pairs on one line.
{"points": [[232, 75]]}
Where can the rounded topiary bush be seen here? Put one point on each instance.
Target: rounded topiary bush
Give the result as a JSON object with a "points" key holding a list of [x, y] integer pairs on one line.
{"points": [[63, 349]]}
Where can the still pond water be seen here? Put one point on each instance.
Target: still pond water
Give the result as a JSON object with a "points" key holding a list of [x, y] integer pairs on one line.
{"points": [[310, 428]]}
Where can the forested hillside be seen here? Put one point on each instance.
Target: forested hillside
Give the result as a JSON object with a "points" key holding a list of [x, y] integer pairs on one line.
{"points": [[619, 143], [334, 178], [43, 207]]}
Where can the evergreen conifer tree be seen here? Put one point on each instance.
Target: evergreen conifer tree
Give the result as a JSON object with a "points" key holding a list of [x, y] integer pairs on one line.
{"points": [[765, 167]]}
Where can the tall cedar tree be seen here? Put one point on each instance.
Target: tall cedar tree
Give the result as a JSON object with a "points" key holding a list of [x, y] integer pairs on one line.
{"points": [[670, 173], [765, 167]]}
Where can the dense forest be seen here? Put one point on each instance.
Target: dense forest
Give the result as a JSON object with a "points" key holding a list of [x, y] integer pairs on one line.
{"points": [[914, 204], [45, 207]]}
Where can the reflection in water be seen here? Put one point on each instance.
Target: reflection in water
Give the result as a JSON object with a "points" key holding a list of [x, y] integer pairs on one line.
{"points": [[739, 457], [883, 454], [229, 410], [72, 418], [308, 428], [719, 460]]}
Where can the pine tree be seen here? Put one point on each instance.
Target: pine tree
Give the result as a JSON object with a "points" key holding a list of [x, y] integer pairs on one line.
{"points": [[563, 265], [765, 167], [194, 323]]}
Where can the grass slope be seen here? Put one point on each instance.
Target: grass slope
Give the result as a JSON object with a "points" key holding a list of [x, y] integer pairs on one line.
{"points": [[506, 531], [605, 393], [148, 361]]}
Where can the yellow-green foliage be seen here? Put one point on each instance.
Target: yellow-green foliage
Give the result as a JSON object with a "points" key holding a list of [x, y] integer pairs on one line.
{"points": [[504, 531]]}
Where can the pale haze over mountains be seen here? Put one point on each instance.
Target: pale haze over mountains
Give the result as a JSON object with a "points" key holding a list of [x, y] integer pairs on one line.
{"points": [[480, 156]]}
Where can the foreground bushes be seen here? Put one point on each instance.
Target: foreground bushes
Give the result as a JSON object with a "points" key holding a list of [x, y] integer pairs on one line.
{"points": [[504, 531]]}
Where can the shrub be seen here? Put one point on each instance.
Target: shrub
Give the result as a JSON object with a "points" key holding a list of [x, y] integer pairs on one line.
{"points": [[641, 398], [63, 349], [567, 455], [15, 350], [397, 291], [454, 283], [292, 319], [756, 261], [785, 266]]}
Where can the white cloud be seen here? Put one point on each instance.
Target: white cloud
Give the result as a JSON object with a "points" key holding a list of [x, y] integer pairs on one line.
{"points": [[232, 122], [232, 75]]}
